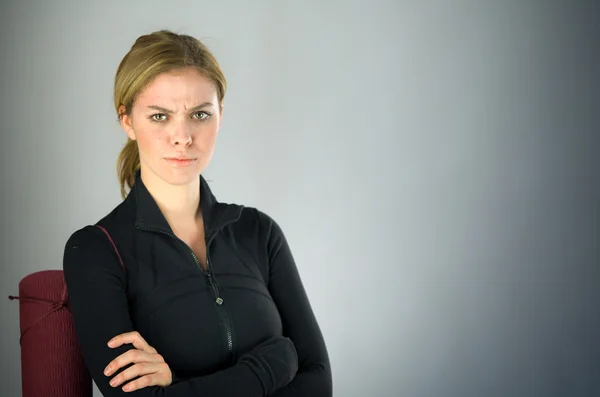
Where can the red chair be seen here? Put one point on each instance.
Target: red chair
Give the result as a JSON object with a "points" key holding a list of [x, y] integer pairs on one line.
{"points": [[51, 361]]}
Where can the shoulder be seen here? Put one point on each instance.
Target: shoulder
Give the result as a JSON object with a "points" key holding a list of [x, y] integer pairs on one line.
{"points": [[89, 259], [257, 228], [87, 241], [86, 237], [90, 245], [119, 223], [255, 215], [258, 222]]}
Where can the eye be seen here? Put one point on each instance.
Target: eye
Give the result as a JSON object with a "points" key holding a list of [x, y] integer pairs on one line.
{"points": [[202, 115], [158, 117]]}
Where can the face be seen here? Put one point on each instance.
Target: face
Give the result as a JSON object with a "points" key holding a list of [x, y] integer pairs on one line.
{"points": [[175, 121]]}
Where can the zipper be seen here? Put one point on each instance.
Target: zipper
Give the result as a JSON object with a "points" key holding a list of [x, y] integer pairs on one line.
{"points": [[219, 301], [208, 274], [221, 312]]}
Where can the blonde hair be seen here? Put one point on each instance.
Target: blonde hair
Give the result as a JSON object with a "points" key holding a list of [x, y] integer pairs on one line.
{"points": [[152, 54]]}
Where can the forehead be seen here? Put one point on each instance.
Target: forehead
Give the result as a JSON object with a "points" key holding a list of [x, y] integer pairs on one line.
{"points": [[187, 86]]}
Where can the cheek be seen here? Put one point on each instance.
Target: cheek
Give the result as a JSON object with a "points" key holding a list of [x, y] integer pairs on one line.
{"points": [[207, 137], [213, 137], [150, 139]]}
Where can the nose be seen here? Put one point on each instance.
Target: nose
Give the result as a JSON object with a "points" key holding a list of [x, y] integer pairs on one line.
{"points": [[181, 135]]}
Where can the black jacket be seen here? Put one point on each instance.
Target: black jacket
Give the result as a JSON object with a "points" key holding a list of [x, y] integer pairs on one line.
{"points": [[240, 328]]}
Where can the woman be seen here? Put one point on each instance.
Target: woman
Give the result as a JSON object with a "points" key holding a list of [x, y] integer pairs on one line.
{"points": [[197, 297]]}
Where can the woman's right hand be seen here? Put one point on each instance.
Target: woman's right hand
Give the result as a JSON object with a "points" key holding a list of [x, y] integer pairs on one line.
{"points": [[274, 361], [148, 367]]}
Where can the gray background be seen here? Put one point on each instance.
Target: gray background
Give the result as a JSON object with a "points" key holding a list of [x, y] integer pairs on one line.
{"points": [[434, 165]]}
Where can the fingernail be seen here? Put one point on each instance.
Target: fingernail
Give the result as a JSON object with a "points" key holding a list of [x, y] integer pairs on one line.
{"points": [[108, 370], [110, 342], [127, 387], [113, 382]]}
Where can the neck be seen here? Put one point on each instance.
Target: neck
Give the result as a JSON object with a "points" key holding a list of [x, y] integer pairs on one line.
{"points": [[179, 204]]}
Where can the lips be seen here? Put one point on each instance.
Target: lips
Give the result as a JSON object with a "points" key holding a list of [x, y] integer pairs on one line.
{"points": [[180, 160]]}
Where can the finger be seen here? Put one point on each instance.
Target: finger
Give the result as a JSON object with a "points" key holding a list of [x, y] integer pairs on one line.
{"points": [[133, 338], [132, 356], [140, 369], [162, 377], [140, 383]]}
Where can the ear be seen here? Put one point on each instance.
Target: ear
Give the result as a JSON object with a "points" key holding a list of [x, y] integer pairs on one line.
{"points": [[126, 122], [221, 112]]}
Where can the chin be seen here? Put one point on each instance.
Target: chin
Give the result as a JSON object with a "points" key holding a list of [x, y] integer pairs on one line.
{"points": [[180, 177], [175, 176], [181, 180]]}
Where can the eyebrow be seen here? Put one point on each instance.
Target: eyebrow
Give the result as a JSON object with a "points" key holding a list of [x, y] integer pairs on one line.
{"points": [[164, 110]]}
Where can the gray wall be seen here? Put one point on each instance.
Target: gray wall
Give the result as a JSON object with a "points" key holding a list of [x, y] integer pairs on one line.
{"points": [[433, 164]]}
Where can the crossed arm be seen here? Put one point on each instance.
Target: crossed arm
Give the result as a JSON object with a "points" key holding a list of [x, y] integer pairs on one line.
{"points": [[291, 366]]}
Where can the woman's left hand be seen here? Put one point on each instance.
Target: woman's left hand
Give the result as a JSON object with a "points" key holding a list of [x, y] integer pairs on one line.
{"points": [[148, 366]]}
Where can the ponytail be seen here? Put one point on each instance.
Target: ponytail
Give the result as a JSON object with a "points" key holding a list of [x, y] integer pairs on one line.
{"points": [[128, 163]]}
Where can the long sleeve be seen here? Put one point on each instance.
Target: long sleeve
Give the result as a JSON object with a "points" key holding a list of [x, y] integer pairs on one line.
{"points": [[299, 323], [96, 285]]}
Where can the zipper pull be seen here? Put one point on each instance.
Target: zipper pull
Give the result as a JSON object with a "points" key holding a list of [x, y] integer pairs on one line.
{"points": [[218, 300]]}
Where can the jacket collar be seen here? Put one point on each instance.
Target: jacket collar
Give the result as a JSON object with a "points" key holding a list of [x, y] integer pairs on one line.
{"points": [[215, 214]]}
